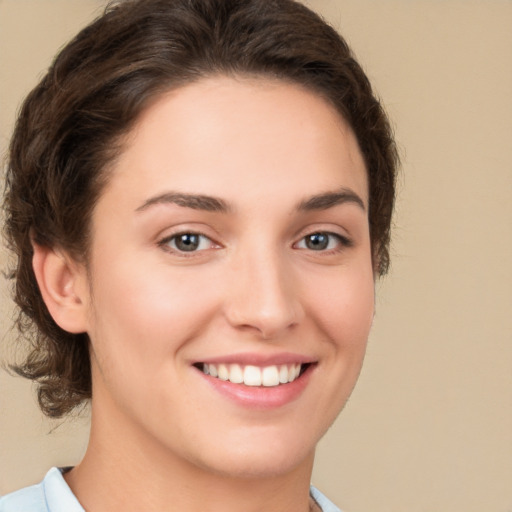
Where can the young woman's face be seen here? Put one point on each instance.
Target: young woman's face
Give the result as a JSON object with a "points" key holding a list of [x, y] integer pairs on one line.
{"points": [[230, 252]]}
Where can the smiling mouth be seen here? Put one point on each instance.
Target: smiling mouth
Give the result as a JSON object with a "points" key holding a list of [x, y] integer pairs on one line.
{"points": [[249, 375]]}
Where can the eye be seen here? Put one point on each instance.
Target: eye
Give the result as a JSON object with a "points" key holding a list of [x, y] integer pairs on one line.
{"points": [[322, 241], [187, 242]]}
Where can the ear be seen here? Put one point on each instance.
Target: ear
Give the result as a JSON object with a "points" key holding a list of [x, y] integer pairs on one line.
{"points": [[63, 286]]}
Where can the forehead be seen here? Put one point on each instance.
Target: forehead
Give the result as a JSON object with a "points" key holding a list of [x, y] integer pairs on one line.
{"points": [[219, 133]]}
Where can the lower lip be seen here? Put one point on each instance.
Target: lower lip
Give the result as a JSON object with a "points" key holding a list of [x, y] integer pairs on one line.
{"points": [[260, 397]]}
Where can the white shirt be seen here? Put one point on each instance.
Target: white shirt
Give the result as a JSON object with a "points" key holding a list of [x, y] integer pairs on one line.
{"points": [[54, 495]]}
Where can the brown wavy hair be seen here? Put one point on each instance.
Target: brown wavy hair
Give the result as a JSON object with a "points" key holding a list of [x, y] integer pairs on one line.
{"points": [[71, 125]]}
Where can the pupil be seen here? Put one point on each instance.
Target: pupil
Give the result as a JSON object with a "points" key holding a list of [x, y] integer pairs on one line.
{"points": [[187, 242], [317, 241]]}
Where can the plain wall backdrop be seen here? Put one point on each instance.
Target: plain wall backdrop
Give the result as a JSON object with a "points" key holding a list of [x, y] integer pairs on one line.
{"points": [[429, 426]]}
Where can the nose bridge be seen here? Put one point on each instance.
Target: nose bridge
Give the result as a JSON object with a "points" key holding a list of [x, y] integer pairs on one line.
{"points": [[263, 295]]}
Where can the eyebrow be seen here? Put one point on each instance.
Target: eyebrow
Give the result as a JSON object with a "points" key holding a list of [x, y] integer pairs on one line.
{"points": [[330, 199], [194, 201], [214, 204]]}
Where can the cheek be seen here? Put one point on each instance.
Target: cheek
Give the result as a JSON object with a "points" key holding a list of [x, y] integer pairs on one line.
{"points": [[344, 307], [147, 313], [142, 321]]}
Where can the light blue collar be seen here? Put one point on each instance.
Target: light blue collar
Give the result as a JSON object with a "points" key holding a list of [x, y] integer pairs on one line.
{"points": [[54, 495]]}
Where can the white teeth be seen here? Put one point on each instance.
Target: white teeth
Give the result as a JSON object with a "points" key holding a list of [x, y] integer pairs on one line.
{"points": [[236, 374], [223, 372], [270, 376], [250, 375], [283, 374]]}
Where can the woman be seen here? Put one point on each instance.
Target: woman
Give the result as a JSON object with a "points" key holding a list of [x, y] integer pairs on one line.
{"points": [[199, 195]]}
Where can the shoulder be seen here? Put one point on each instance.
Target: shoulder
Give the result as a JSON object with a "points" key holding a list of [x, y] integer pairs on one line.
{"points": [[51, 495], [324, 503]]}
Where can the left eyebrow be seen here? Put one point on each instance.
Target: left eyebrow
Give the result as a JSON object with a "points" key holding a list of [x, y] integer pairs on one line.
{"points": [[330, 199]]}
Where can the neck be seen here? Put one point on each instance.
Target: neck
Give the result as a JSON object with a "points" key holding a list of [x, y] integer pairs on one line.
{"points": [[149, 477]]}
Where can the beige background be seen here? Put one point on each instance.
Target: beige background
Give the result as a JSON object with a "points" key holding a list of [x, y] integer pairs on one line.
{"points": [[429, 427]]}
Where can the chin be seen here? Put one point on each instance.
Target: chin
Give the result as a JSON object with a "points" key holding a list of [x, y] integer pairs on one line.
{"points": [[273, 457], [258, 467]]}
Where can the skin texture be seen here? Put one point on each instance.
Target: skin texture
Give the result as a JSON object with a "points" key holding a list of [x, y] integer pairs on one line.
{"points": [[161, 433]]}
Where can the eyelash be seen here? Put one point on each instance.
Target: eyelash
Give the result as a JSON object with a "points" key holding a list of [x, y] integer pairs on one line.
{"points": [[167, 241], [342, 242]]}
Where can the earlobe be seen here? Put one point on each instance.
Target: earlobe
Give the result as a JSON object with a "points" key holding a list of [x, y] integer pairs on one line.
{"points": [[62, 283]]}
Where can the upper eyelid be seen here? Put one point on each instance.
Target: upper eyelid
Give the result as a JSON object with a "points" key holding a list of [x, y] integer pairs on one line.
{"points": [[328, 228], [172, 231], [171, 236]]}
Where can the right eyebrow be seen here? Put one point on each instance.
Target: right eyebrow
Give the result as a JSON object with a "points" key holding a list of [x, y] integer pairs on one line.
{"points": [[194, 201]]}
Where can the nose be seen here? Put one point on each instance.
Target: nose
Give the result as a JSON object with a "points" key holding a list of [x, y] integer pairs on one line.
{"points": [[263, 295]]}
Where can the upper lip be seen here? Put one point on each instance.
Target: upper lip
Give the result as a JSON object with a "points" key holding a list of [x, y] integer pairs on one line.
{"points": [[255, 359]]}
